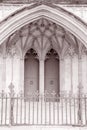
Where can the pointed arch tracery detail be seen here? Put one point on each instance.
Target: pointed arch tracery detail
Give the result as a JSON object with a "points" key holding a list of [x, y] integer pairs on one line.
{"points": [[41, 35]]}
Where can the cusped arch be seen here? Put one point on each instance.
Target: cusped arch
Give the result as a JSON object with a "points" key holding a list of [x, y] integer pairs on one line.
{"points": [[58, 15], [48, 49], [35, 49]]}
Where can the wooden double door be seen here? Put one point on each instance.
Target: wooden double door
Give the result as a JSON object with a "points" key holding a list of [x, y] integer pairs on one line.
{"points": [[31, 76]]}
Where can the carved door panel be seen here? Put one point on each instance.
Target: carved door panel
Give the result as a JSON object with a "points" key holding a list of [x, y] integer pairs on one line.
{"points": [[52, 76], [31, 80]]}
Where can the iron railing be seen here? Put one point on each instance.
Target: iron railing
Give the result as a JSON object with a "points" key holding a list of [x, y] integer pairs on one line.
{"points": [[46, 1], [43, 109]]}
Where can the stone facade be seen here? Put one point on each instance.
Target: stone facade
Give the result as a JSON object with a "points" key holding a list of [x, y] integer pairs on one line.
{"points": [[42, 35], [43, 48]]}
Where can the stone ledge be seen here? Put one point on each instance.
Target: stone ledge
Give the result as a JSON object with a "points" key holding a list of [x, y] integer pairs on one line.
{"points": [[46, 1], [43, 128]]}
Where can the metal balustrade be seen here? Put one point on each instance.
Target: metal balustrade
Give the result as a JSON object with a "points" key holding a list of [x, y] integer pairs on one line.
{"points": [[43, 110]]}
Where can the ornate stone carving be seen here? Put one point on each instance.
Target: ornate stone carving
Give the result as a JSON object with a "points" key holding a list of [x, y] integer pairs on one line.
{"points": [[11, 50], [1, 51], [71, 51], [41, 34], [30, 53], [52, 53]]}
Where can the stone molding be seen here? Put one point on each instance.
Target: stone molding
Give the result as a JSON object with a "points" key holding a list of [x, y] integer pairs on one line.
{"points": [[45, 1], [31, 13]]}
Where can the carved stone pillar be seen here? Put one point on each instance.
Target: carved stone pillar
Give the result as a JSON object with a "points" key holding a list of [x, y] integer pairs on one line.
{"points": [[62, 75], [12, 75], [86, 74], [11, 50], [80, 71], [21, 75], [71, 53], [41, 76], [3, 50], [4, 74], [72, 74], [80, 87]]}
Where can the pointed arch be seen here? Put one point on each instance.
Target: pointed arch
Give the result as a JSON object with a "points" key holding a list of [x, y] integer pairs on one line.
{"points": [[54, 13], [52, 83], [31, 72]]}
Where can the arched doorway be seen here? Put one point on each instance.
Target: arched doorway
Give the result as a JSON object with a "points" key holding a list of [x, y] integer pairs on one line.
{"points": [[52, 72], [31, 73]]}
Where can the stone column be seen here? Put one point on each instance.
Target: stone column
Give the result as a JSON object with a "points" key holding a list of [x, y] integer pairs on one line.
{"points": [[41, 76], [71, 53], [62, 75], [80, 87], [86, 74], [21, 82], [4, 74], [12, 51], [12, 63], [80, 71], [71, 74]]}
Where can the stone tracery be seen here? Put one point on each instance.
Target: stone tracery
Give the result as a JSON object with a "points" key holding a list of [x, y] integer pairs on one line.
{"points": [[43, 35]]}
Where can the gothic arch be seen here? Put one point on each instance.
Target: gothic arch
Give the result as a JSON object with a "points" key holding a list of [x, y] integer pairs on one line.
{"points": [[51, 12], [35, 49], [31, 72], [52, 83]]}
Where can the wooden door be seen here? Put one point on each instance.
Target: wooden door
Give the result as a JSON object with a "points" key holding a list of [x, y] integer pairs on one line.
{"points": [[52, 75], [31, 76]]}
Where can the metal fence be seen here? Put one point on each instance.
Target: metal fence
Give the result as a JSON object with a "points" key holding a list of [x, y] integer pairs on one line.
{"points": [[43, 110]]}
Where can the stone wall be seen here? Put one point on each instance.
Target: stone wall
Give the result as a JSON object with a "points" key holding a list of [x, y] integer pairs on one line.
{"points": [[81, 12], [67, 74]]}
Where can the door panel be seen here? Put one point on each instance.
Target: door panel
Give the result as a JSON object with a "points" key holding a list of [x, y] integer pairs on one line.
{"points": [[31, 80], [52, 75]]}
